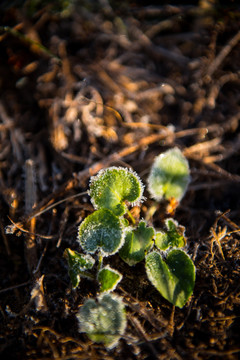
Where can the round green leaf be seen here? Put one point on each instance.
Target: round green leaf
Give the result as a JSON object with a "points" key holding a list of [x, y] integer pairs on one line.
{"points": [[108, 278], [137, 243], [169, 176], [101, 230], [112, 187], [175, 278], [104, 321]]}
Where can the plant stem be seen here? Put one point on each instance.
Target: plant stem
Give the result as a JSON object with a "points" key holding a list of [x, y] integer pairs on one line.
{"points": [[86, 275], [131, 217], [100, 260]]}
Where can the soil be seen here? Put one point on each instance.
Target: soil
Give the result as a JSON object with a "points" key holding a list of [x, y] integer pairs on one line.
{"points": [[95, 84]]}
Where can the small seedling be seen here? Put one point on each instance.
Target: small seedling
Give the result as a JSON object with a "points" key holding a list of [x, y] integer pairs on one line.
{"points": [[112, 229], [169, 176], [103, 321]]}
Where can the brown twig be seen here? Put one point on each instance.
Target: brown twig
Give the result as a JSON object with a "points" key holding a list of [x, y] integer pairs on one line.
{"points": [[143, 334], [11, 230], [30, 203], [222, 55]]}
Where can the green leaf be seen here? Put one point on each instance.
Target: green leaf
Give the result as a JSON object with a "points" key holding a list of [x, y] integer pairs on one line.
{"points": [[169, 176], [137, 243], [108, 278], [104, 321], [162, 240], [112, 187], [174, 236], [175, 278], [77, 265], [101, 230]]}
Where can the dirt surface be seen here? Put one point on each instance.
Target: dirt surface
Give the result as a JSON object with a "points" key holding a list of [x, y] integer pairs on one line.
{"points": [[117, 83]]}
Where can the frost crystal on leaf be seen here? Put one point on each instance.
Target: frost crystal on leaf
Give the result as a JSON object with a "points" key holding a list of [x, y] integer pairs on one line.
{"points": [[169, 176], [101, 230], [103, 321], [114, 186]]}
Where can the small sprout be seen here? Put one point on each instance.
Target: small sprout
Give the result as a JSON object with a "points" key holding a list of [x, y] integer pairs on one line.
{"points": [[103, 321], [169, 176], [174, 236], [77, 265], [175, 278], [112, 187], [137, 243], [101, 230], [108, 279]]}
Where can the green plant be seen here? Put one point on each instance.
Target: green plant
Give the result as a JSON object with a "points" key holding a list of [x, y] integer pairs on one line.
{"points": [[112, 229], [138, 241], [78, 265], [113, 187], [173, 278], [169, 176], [172, 237], [103, 321], [101, 230], [108, 278]]}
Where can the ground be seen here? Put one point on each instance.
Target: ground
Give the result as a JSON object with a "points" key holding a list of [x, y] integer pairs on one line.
{"points": [[95, 84]]}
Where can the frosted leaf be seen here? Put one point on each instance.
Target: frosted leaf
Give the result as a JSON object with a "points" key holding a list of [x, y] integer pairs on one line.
{"points": [[173, 278], [108, 279], [174, 236], [77, 265], [137, 243], [169, 176], [101, 230], [112, 187], [103, 321]]}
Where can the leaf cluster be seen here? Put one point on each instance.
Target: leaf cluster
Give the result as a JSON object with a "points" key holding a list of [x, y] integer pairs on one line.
{"points": [[107, 231]]}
